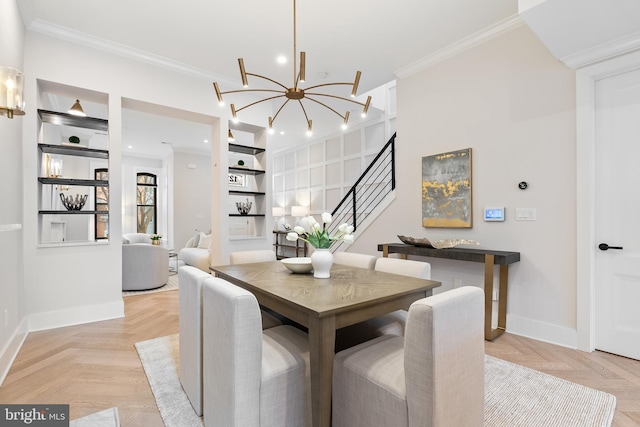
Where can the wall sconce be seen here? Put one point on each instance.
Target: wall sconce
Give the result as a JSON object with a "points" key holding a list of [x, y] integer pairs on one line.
{"points": [[76, 109], [11, 92]]}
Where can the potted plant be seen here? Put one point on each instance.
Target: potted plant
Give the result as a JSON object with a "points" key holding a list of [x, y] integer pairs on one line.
{"points": [[155, 239]]}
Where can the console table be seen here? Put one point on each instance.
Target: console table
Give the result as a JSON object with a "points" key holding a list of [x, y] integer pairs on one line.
{"points": [[286, 249], [488, 257]]}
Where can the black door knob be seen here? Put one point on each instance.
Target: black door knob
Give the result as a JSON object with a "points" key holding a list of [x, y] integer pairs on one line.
{"points": [[604, 247]]}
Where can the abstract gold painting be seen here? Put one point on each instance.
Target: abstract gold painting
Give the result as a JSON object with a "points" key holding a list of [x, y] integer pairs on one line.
{"points": [[446, 190]]}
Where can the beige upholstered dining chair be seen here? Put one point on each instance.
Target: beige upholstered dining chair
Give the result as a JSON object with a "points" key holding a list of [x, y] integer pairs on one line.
{"points": [[190, 281], [252, 378], [245, 257], [433, 376], [392, 323], [354, 259]]}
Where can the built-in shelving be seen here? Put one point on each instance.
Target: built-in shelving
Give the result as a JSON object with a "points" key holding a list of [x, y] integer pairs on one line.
{"points": [[64, 119], [51, 186], [74, 181], [69, 150], [246, 193], [244, 149], [245, 171]]}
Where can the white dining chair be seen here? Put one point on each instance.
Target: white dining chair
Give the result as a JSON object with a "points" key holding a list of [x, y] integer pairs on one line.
{"points": [[389, 324], [353, 259], [190, 281], [252, 378], [433, 376], [245, 257]]}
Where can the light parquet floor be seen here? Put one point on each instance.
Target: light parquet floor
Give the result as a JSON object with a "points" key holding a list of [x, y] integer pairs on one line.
{"points": [[95, 366]]}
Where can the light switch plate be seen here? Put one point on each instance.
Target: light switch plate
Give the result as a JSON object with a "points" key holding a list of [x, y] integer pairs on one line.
{"points": [[526, 214]]}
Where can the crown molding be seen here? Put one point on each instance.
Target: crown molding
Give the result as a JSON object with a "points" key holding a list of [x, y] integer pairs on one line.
{"points": [[88, 40], [463, 45], [604, 51]]}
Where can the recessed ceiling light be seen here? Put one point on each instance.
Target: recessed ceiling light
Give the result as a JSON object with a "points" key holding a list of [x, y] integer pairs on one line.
{"points": [[206, 140], [129, 146], [281, 132], [282, 59]]}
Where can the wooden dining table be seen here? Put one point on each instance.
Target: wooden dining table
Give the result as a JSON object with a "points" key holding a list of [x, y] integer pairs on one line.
{"points": [[349, 296]]}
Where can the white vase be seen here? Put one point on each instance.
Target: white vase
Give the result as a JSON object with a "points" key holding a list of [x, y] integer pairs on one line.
{"points": [[322, 260]]}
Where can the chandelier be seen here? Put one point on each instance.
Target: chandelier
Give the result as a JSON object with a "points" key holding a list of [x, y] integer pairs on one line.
{"points": [[295, 93]]}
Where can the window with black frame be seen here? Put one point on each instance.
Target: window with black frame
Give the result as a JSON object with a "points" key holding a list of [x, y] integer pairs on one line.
{"points": [[146, 199], [101, 196]]}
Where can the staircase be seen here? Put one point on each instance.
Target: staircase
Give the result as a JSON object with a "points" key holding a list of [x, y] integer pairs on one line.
{"points": [[369, 196]]}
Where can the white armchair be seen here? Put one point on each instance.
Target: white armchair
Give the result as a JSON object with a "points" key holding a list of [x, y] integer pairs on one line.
{"points": [[252, 378], [434, 376], [144, 266], [190, 328]]}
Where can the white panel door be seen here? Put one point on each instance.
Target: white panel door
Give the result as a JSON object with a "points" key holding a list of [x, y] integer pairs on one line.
{"points": [[617, 164]]}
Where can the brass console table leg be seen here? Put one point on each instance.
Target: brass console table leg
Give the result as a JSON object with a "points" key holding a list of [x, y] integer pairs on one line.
{"points": [[489, 333]]}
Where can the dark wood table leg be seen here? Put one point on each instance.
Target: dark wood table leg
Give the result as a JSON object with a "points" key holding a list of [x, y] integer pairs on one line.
{"points": [[322, 338]]}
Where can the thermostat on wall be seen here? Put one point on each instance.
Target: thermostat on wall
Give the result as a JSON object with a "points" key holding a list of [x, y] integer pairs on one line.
{"points": [[494, 214]]}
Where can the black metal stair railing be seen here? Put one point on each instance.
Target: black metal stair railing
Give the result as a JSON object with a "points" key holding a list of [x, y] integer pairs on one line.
{"points": [[375, 183]]}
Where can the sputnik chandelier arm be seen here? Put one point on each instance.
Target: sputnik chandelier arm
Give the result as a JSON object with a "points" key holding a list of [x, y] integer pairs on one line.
{"points": [[295, 93]]}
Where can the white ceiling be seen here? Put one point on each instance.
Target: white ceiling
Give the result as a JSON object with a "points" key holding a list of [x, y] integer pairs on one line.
{"points": [[376, 37]]}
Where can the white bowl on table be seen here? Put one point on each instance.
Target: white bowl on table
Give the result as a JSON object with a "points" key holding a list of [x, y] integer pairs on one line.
{"points": [[298, 265]]}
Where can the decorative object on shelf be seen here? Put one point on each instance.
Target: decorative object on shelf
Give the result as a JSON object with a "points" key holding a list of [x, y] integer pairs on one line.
{"points": [[446, 190], [295, 93], [11, 92], [439, 244], [155, 239], [73, 204], [76, 109], [319, 238], [236, 180], [299, 265], [244, 207], [230, 137], [53, 166], [74, 139]]}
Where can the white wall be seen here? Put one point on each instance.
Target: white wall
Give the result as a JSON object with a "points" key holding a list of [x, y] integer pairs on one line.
{"points": [[79, 284], [514, 105], [192, 195], [12, 324]]}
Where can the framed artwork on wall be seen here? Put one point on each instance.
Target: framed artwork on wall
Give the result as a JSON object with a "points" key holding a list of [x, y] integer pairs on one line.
{"points": [[446, 190], [236, 180]]}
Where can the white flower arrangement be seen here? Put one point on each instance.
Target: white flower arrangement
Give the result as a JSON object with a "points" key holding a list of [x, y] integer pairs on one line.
{"points": [[318, 236]]}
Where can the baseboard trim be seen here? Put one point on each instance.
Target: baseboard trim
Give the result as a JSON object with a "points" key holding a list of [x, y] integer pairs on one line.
{"points": [[542, 331], [11, 350], [76, 316]]}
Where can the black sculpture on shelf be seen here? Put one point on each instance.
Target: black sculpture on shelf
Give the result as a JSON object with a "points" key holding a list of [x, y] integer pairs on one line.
{"points": [[73, 204]]}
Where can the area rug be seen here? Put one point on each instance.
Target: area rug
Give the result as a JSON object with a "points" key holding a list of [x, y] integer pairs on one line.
{"points": [[107, 418], [160, 359], [514, 395], [171, 285]]}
